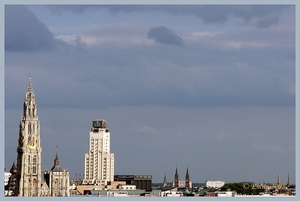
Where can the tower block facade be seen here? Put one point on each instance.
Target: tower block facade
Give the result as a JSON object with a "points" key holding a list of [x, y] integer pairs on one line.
{"points": [[29, 149], [99, 162]]}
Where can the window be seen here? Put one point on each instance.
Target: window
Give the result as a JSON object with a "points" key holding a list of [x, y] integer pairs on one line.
{"points": [[29, 128], [34, 160]]}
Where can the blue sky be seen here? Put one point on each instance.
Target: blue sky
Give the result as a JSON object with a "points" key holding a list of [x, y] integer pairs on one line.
{"points": [[208, 86]]}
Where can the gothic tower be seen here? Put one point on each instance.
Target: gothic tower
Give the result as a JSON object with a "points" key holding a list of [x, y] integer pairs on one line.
{"points": [[187, 179], [29, 149], [176, 179]]}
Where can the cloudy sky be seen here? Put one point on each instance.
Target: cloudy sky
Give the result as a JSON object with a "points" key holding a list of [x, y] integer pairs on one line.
{"points": [[211, 88]]}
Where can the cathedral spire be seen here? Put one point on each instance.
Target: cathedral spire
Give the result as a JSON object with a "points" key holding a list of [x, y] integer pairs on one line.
{"points": [[176, 179], [187, 179], [30, 84], [165, 184], [176, 173], [29, 108], [187, 176]]}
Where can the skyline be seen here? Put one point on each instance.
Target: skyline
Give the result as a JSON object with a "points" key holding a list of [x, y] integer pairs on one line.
{"points": [[163, 82]]}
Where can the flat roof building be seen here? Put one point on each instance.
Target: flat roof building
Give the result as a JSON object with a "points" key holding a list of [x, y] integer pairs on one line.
{"points": [[143, 182]]}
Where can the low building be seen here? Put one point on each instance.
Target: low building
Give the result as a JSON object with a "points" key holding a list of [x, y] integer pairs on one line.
{"points": [[142, 182], [225, 193], [11, 180], [214, 184], [6, 177], [87, 189]]}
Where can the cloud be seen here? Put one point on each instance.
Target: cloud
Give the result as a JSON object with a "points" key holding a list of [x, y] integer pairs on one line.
{"points": [[124, 35], [164, 35], [262, 16], [144, 129], [24, 31]]}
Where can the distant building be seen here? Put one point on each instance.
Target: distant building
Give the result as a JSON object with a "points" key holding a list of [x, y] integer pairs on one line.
{"points": [[184, 183], [99, 162], [165, 183], [11, 183], [214, 184], [57, 179], [143, 182], [6, 177]]}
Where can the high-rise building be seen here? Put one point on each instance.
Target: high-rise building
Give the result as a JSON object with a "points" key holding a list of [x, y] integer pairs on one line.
{"points": [[99, 162], [29, 178]]}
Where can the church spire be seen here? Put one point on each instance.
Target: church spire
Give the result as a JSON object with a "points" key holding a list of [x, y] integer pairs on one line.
{"points": [[176, 173], [176, 179], [165, 184], [56, 160], [187, 179], [56, 167], [289, 181], [30, 84], [29, 108], [187, 176]]}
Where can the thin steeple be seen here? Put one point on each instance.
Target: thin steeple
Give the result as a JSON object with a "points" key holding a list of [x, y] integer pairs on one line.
{"points": [[176, 179], [289, 181], [176, 173], [56, 167], [165, 184], [187, 176], [56, 160]]}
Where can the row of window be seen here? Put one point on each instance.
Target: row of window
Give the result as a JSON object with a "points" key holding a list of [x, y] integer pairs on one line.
{"points": [[33, 170], [33, 160]]}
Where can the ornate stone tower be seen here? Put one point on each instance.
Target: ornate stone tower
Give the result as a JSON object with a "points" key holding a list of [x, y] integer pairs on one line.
{"points": [[29, 149]]}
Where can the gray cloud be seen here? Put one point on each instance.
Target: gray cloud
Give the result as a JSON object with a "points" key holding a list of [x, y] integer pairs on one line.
{"points": [[164, 35], [262, 15], [24, 31]]}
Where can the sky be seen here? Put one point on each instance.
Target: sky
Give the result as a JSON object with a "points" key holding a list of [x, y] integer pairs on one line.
{"points": [[208, 87]]}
